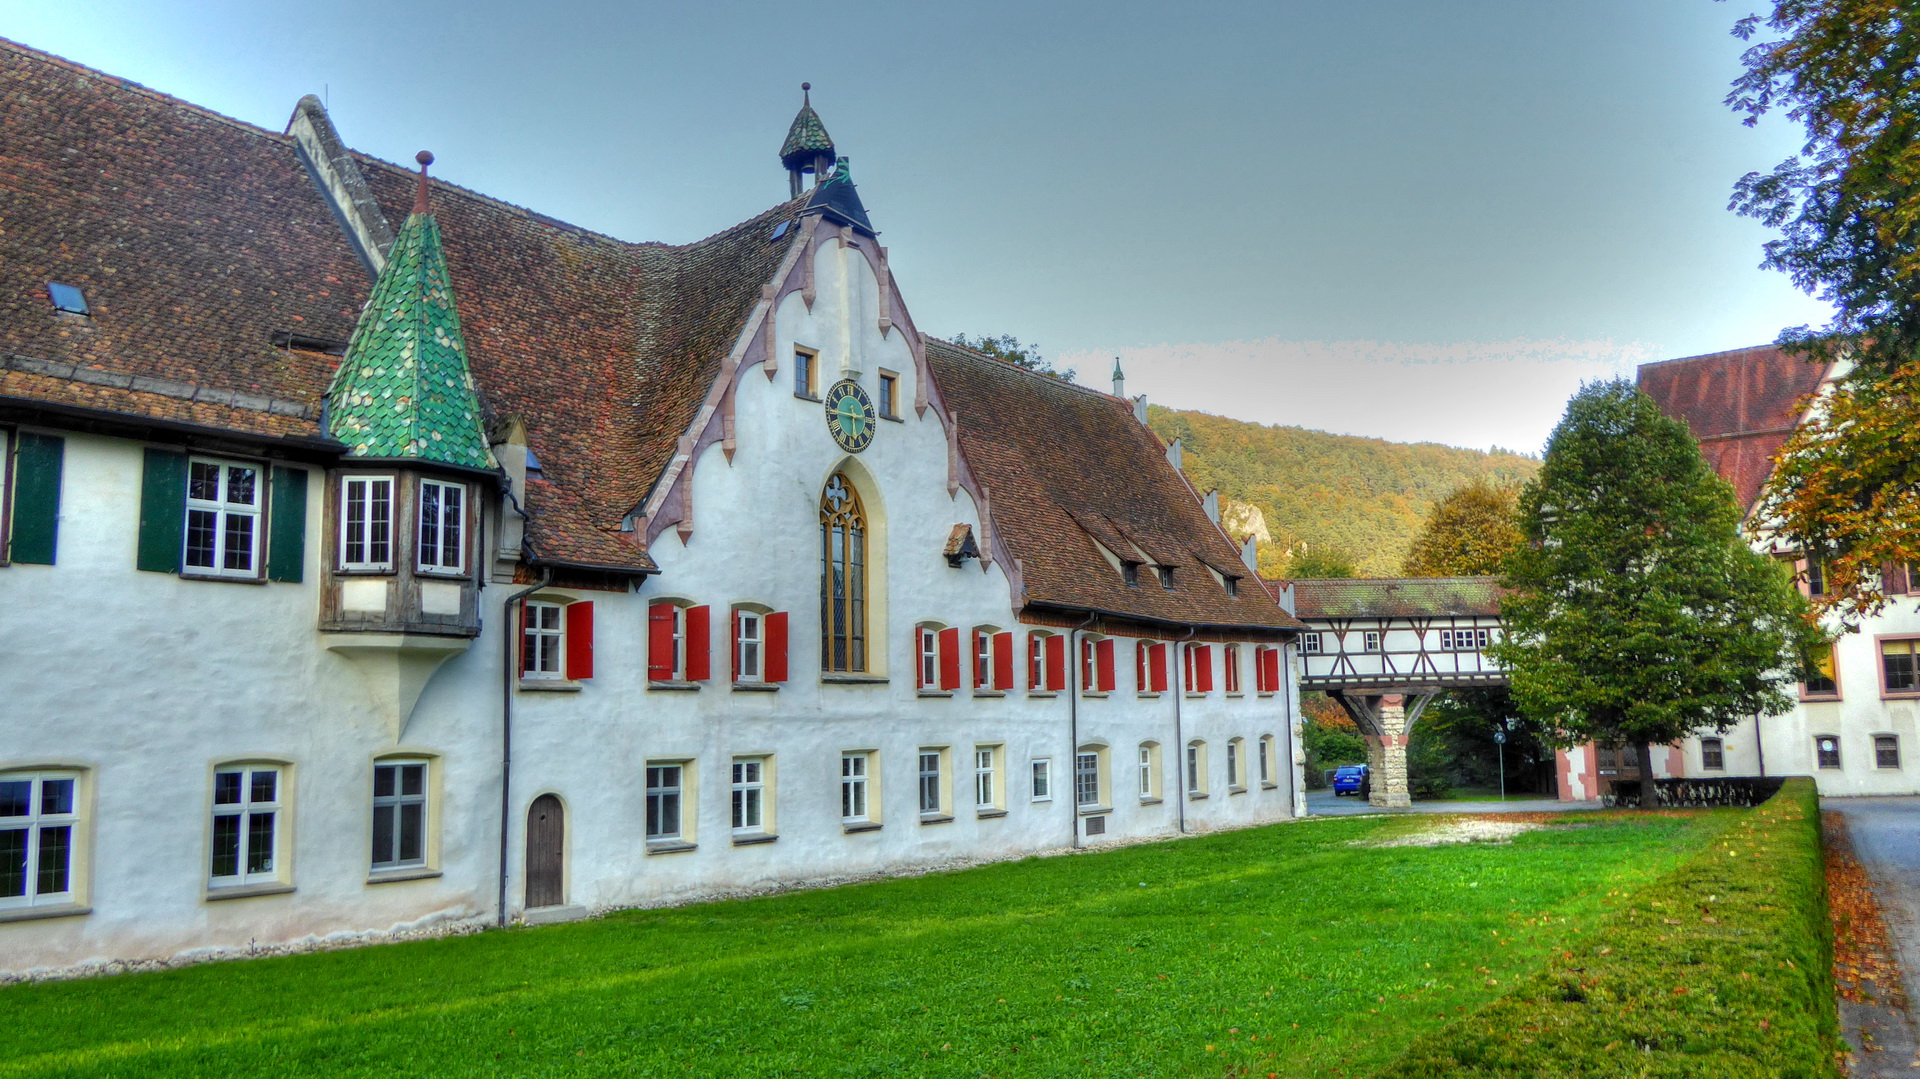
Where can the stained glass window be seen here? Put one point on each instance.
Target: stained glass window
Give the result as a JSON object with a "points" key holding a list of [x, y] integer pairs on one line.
{"points": [[843, 578]]}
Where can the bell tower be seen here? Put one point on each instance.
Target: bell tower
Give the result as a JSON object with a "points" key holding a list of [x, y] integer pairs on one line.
{"points": [[808, 151]]}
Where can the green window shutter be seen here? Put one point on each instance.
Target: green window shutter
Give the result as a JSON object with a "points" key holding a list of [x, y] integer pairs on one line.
{"points": [[36, 498], [287, 531], [163, 511]]}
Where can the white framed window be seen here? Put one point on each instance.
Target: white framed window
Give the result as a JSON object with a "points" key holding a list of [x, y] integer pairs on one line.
{"points": [[749, 794], [1236, 753], [1230, 668], [748, 638], [541, 640], [399, 814], [1310, 643], [1713, 754], [366, 523], [933, 782], [1268, 765], [1043, 779], [39, 833], [983, 659], [1086, 778], [1196, 769], [665, 791], [855, 769], [986, 777], [929, 649], [1370, 641], [443, 527], [223, 518], [246, 824], [1149, 770]]}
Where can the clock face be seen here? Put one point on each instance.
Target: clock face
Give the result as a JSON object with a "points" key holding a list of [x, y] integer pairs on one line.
{"points": [[850, 415]]}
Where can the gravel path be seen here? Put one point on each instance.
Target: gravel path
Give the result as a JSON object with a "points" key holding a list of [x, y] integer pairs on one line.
{"points": [[1885, 834]]}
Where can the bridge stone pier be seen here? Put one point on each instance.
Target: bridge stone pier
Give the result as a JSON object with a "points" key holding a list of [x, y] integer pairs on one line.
{"points": [[1383, 648]]}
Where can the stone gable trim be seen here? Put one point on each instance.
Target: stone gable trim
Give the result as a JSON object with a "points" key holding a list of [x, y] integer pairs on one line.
{"points": [[165, 387]]}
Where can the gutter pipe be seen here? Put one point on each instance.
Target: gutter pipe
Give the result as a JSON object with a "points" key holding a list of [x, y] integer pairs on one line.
{"points": [[506, 726], [1178, 684], [1073, 725]]}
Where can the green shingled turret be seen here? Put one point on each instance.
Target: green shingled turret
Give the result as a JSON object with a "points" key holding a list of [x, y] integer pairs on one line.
{"points": [[404, 390], [808, 137]]}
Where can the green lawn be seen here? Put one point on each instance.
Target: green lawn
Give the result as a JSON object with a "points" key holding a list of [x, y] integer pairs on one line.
{"points": [[1282, 949], [1487, 794]]}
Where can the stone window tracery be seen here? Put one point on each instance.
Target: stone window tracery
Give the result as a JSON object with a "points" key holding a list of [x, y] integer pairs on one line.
{"points": [[843, 578]]}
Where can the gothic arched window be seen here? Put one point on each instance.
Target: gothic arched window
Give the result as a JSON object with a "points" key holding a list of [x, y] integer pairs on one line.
{"points": [[843, 578]]}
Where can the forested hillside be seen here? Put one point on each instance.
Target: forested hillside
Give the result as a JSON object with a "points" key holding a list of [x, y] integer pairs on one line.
{"points": [[1363, 496]]}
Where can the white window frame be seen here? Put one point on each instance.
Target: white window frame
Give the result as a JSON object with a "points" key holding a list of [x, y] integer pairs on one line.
{"points": [[548, 659], [1236, 763], [1370, 640], [1196, 769], [750, 795], [1719, 750], [1087, 779], [856, 787], [983, 660], [1041, 776], [35, 823], [397, 801], [932, 781], [986, 777], [224, 513], [1230, 670], [664, 790], [243, 810], [749, 646], [1310, 643], [454, 519], [1149, 771], [369, 497], [1267, 762], [929, 653]]}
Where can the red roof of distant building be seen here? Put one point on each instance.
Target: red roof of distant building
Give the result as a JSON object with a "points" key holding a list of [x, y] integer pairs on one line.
{"points": [[1740, 405]]}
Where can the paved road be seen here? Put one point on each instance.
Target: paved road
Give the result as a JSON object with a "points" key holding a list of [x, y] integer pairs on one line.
{"points": [[1886, 839], [1328, 804]]}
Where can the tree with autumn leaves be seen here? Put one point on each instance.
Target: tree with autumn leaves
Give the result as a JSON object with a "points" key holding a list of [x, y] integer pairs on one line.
{"points": [[1468, 533], [1636, 612], [1846, 489]]}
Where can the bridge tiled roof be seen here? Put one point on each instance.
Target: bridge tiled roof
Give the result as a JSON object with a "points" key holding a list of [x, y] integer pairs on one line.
{"points": [[1739, 404], [1397, 597]]}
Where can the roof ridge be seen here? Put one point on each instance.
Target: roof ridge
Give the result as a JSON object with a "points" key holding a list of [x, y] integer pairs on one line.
{"points": [[1056, 380], [141, 89], [1706, 355]]}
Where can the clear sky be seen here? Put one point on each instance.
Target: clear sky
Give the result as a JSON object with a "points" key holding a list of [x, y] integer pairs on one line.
{"points": [[1418, 220]]}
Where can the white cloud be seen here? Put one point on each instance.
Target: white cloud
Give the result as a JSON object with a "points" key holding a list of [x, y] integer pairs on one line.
{"points": [[1480, 394]]}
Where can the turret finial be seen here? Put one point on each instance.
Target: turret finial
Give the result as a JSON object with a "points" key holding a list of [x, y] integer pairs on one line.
{"points": [[806, 91], [420, 203]]}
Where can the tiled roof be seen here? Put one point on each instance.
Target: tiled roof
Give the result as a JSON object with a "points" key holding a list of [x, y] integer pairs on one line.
{"points": [[403, 389], [1063, 466], [1740, 405], [199, 240], [807, 136], [1397, 597]]}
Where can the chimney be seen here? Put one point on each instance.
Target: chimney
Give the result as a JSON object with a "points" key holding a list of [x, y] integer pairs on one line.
{"points": [[1211, 504], [1174, 454], [1140, 410], [1119, 380]]}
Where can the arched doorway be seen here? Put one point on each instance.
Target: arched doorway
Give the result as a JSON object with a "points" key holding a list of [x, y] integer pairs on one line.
{"points": [[546, 852]]}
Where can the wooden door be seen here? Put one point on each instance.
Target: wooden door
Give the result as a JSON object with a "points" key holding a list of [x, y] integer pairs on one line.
{"points": [[546, 852]]}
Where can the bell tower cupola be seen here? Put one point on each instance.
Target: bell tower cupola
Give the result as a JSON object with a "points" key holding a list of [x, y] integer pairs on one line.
{"points": [[808, 151]]}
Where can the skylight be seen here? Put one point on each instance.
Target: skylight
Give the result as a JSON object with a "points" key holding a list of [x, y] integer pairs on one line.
{"points": [[779, 230], [67, 298]]}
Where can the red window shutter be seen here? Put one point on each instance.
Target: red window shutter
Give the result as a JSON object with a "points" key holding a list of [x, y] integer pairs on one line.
{"points": [[1203, 667], [699, 643], [1105, 649], [1272, 668], [1159, 668], [1259, 670], [773, 646], [1056, 662], [950, 659], [1003, 661], [579, 640], [660, 642]]}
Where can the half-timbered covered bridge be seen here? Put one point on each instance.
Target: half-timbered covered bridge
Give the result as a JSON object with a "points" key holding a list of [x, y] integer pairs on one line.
{"points": [[1384, 647]]}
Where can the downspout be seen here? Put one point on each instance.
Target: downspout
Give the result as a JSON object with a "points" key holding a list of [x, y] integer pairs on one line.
{"points": [[1178, 684], [1760, 745], [1073, 725], [506, 726]]}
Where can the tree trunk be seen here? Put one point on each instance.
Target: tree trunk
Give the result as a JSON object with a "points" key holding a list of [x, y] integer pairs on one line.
{"points": [[1649, 794]]}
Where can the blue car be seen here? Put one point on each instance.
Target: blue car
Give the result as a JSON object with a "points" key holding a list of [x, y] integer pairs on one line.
{"points": [[1347, 780]]}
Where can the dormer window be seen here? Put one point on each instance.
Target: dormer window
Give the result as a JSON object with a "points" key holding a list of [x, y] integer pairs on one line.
{"points": [[1130, 573], [1233, 587], [68, 299], [1166, 577]]}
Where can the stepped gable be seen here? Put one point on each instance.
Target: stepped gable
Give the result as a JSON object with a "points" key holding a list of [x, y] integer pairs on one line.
{"points": [[196, 240], [1741, 405], [604, 350], [1064, 465], [1397, 597]]}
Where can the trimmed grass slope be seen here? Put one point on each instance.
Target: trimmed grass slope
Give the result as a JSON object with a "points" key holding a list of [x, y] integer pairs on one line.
{"points": [[1721, 970], [1283, 949]]}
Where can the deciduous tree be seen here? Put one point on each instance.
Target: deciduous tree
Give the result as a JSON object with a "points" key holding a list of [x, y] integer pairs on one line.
{"points": [[1320, 563], [1636, 613], [1008, 347], [1847, 489], [1468, 533]]}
